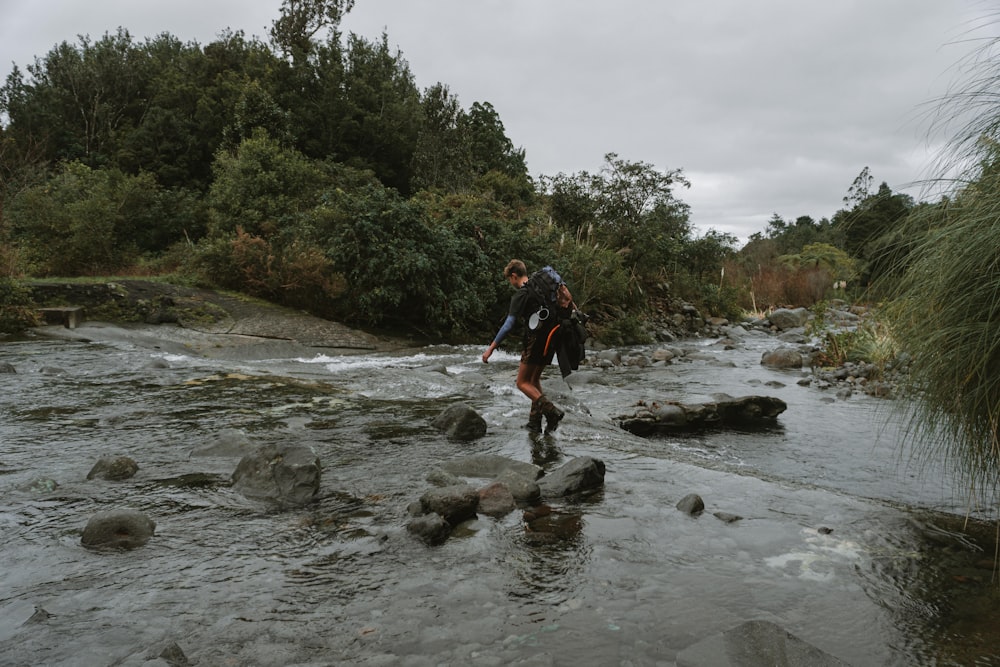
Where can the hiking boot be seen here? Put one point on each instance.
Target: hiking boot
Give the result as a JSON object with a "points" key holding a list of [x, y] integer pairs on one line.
{"points": [[553, 415], [534, 418]]}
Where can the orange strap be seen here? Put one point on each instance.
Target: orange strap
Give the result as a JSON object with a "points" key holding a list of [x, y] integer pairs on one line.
{"points": [[548, 341]]}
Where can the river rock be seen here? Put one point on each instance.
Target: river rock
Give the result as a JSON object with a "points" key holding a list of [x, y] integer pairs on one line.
{"points": [[691, 504], [491, 466], [579, 475], [789, 318], [430, 528], [7, 368], [442, 478], [283, 473], [783, 357], [123, 529], [40, 485], [454, 503], [664, 354], [755, 644], [113, 469], [174, 656], [461, 422], [524, 489], [727, 412], [230, 442], [496, 500]]}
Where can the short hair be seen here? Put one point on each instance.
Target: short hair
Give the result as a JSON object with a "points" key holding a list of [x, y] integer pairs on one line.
{"points": [[515, 267]]}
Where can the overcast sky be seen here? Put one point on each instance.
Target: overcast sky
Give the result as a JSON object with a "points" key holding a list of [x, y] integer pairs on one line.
{"points": [[768, 106]]}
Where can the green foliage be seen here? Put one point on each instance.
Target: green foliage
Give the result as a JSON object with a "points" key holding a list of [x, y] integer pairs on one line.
{"points": [[300, 20], [835, 261], [719, 300], [628, 206], [295, 274], [262, 187], [83, 221], [864, 227], [16, 313], [442, 159], [871, 343], [626, 330], [377, 118], [401, 268], [947, 310]]}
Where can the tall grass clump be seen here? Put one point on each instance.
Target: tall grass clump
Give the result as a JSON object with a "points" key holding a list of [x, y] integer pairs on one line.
{"points": [[946, 287]]}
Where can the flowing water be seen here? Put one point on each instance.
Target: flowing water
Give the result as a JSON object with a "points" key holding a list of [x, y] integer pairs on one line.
{"points": [[846, 541]]}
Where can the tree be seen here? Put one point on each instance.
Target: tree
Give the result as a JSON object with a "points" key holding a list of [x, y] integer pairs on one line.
{"points": [[256, 110], [80, 100], [490, 148], [860, 189], [382, 118], [82, 221], [863, 226], [263, 187], [301, 20], [443, 158]]}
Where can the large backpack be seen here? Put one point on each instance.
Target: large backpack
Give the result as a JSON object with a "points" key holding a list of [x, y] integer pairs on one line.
{"points": [[551, 293]]}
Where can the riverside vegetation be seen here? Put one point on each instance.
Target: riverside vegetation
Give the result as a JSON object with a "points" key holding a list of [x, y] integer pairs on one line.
{"points": [[310, 171]]}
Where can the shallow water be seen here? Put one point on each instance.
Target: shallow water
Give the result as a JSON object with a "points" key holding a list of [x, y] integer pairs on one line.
{"points": [[845, 542]]}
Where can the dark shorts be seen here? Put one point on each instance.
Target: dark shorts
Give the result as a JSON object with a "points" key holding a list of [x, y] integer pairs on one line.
{"points": [[535, 351]]}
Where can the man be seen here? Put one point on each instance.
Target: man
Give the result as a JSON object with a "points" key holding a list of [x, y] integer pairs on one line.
{"points": [[538, 352]]}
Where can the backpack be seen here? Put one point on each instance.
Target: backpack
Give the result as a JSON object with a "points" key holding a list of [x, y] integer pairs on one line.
{"points": [[551, 294]]}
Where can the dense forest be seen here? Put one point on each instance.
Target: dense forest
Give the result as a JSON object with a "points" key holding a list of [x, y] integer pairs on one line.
{"points": [[311, 171]]}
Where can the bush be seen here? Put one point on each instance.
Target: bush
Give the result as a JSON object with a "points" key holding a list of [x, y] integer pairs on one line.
{"points": [[625, 330], [297, 275], [82, 221]]}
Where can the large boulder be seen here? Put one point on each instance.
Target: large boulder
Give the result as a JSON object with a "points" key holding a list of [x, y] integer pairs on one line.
{"points": [[118, 529], [579, 475], [783, 357], [727, 412], [755, 644], [461, 422], [789, 318], [491, 466], [287, 474]]}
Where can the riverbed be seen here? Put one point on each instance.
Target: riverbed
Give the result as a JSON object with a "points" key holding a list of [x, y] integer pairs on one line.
{"points": [[846, 538]]}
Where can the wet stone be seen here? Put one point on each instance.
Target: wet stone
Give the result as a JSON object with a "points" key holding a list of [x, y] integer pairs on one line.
{"points": [[122, 529], [113, 469]]}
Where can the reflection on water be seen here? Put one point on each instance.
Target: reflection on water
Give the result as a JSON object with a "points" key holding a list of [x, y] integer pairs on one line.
{"points": [[841, 542]]}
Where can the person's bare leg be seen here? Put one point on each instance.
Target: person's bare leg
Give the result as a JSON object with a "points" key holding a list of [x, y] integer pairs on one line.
{"points": [[532, 382], [529, 381]]}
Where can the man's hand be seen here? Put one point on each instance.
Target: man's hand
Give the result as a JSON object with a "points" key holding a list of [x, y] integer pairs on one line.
{"points": [[488, 353]]}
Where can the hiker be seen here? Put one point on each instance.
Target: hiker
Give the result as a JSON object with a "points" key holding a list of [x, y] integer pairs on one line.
{"points": [[538, 349]]}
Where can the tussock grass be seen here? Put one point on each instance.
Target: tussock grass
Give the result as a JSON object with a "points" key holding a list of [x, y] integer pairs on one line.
{"points": [[946, 312]]}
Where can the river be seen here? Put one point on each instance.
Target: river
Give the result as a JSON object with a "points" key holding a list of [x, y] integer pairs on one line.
{"points": [[846, 540]]}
